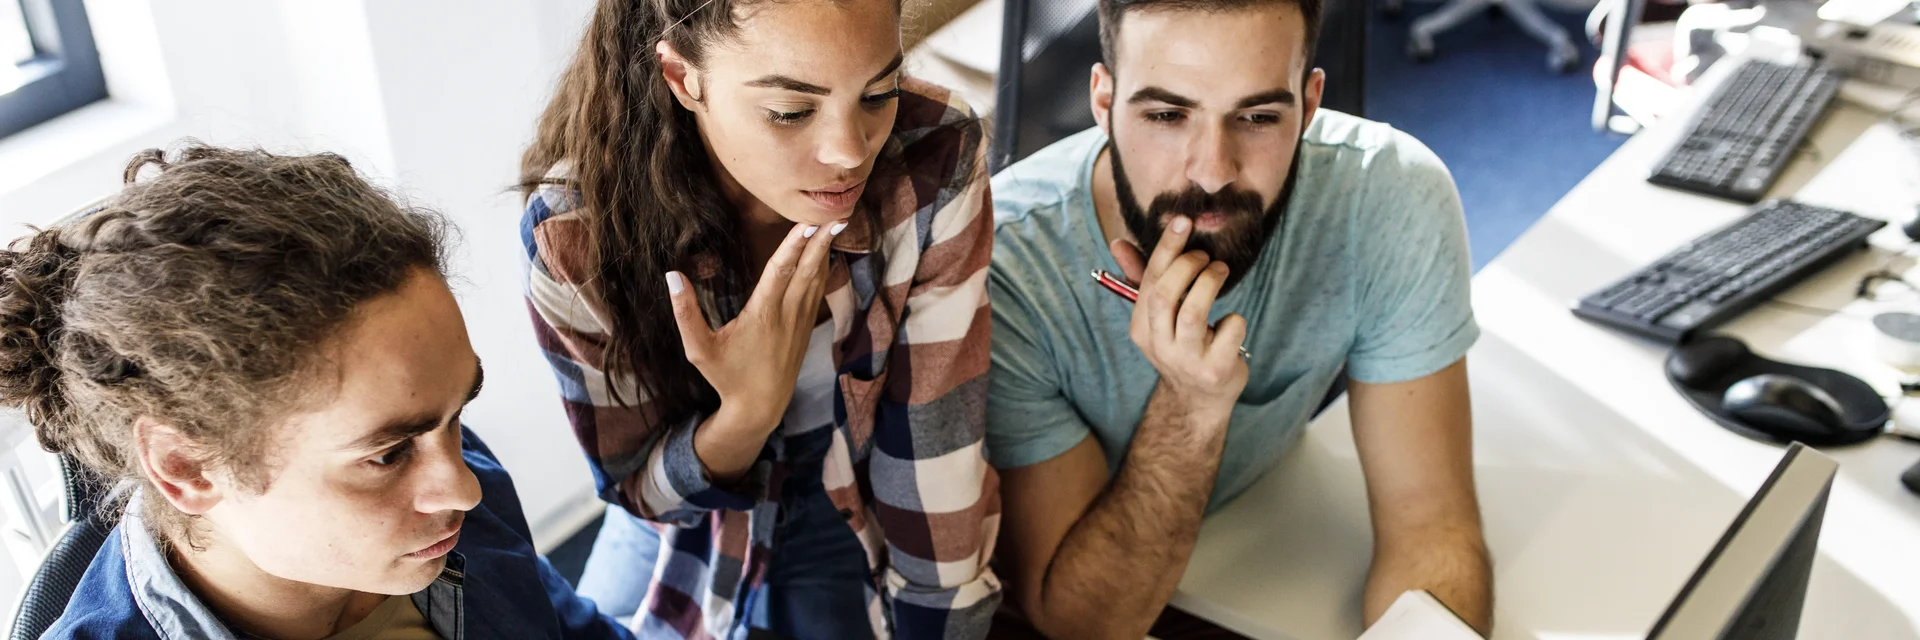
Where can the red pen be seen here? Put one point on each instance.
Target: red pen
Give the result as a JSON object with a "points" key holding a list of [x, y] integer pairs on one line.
{"points": [[1116, 285], [1121, 288]]}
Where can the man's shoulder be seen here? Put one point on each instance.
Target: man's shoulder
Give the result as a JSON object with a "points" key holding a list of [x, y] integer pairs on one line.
{"points": [[1374, 147], [1047, 180], [1384, 174], [1038, 202], [496, 483], [102, 604]]}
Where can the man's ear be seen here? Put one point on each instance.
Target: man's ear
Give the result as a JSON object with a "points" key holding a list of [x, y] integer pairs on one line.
{"points": [[1100, 96], [1310, 99], [681, 77], [172, 465]]}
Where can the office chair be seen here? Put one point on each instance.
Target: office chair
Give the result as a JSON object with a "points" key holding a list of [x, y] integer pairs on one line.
{"points": [[1562, 55], [46, 596], [1048, 46]]}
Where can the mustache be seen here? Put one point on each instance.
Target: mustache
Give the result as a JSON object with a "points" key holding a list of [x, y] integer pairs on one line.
{"points": [[1194, 201]]}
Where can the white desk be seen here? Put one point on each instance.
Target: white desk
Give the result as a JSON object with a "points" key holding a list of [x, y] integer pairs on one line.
{"points": [[1600, 487]]}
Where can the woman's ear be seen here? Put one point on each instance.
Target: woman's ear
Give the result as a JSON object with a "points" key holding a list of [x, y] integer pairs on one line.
{"points": [[170, 463], [681, 77]]}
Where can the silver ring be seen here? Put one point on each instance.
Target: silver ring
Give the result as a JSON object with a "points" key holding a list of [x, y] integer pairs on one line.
{"points": [[1244, 355]]}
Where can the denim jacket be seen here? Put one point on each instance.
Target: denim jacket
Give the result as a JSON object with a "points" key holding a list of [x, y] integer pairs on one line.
{"points": [[494, 585]]}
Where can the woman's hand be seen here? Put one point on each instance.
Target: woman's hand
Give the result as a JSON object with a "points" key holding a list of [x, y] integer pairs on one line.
{"points": [[752, 361]]}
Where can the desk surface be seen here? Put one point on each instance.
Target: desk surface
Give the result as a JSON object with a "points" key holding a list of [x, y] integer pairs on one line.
{"points": [[1601, 489]]}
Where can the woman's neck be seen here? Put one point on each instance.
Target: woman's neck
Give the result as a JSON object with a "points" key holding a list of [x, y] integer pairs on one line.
{"points": [[260, 604], [761, 226]]}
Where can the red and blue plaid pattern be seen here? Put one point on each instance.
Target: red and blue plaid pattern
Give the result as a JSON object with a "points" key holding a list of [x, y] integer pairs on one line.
{"points": [[907, 462]]}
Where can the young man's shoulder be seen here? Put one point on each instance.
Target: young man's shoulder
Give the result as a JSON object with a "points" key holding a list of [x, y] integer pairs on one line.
{"points": [[102, 604], [1375, 147], [1038, 201], [1383, 176]]}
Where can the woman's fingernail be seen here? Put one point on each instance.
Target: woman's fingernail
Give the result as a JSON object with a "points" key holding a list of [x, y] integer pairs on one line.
{"points": [[809, 232], [836, 228], [675, 283], [1180, 224]]}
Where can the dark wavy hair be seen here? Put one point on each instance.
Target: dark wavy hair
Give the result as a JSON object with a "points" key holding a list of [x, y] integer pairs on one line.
{"points": [[634, 158], [1112, 12], [203, 297]]}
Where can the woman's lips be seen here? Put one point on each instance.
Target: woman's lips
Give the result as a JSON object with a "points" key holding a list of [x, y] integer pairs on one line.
{"points": [[837, 199]]}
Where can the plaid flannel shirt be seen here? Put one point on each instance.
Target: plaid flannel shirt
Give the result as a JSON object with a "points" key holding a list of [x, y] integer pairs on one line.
{"points": [[907, 462]]}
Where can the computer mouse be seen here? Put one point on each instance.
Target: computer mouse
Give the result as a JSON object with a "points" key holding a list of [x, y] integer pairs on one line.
{"points": [[1784, 406], [1912, 478], [1697, 363]]}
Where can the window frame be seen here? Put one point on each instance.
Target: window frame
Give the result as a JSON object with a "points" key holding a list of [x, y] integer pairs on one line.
{"points": [[64, 73]]}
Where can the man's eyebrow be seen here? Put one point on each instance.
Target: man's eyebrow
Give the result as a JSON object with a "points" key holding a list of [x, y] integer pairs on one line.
{"points": [[1157, 94], [394, 432], [412, 426], [788, 83], [1281, 96]]}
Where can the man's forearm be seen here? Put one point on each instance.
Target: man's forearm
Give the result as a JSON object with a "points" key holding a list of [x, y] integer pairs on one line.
{"points": [[1118, 566], [1452, 564]]}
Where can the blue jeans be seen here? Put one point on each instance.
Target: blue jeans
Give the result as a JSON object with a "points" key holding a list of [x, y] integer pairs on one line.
{"points": [[620, 565], [816, 586]]}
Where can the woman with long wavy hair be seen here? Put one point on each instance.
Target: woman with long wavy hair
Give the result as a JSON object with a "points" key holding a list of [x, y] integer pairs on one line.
{"points": [[758, 261]]}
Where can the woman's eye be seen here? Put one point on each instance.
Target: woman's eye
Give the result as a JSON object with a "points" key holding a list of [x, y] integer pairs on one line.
{"points": [[788, 117], [880, 99], [398, 454]]}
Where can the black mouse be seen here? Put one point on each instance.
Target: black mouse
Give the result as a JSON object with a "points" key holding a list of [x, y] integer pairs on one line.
{"points": [[1699, 362], [1912, 227], [1784, 406], [1912, 478]]}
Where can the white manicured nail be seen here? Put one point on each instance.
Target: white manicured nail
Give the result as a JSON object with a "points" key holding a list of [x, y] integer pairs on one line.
{"points": [[809, 232], [836, 228], [675, 283]]}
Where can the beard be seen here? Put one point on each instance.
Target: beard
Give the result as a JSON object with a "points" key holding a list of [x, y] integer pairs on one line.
{"points": [[1243, 234]]}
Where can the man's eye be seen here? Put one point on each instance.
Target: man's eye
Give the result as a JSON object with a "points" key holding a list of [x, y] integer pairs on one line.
{"points": [[398, 454], [1262, 119], [1164, 116]]}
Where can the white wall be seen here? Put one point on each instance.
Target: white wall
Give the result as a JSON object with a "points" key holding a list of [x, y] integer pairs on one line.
{"points": [[432, 98]]}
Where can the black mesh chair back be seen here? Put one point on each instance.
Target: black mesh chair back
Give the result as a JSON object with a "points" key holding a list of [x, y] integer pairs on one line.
{"points": [[46, 596]]}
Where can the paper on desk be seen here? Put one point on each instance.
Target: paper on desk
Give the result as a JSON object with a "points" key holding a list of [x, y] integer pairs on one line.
{"points": [[1416, 615]]}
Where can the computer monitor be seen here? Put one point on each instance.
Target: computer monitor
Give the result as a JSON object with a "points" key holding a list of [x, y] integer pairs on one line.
{"points": [[1753, 583]]}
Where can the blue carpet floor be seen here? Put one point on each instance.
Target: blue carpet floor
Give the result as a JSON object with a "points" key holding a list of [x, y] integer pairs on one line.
{"points": [[1516, 135]]}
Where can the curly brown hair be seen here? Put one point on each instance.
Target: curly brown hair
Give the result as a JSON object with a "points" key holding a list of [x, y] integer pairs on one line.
{"points": [[203, 298]]}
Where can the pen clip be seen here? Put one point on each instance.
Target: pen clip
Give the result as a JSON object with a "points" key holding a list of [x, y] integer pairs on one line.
{"points": [[1115, 284]]}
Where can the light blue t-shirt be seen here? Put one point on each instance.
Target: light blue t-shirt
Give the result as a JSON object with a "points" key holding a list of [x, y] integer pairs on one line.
{"points": [[1368, 270]]}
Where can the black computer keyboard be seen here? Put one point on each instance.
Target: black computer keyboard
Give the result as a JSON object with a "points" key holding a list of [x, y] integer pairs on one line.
{"points": [[1723, 273], [1746, 133]]}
